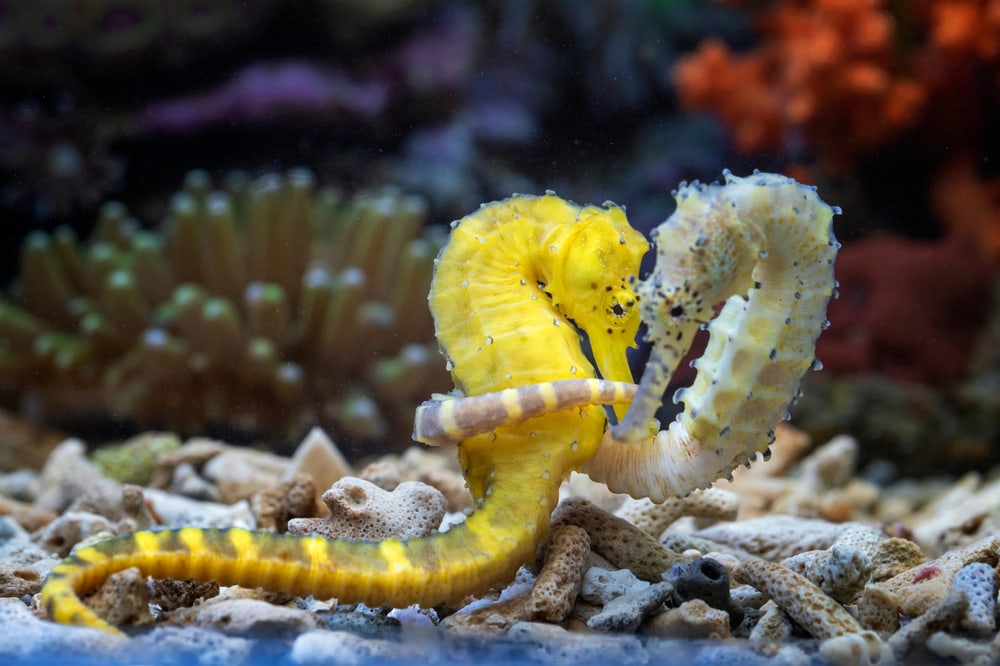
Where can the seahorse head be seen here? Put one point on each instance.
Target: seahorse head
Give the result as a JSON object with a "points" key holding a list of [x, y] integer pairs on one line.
{"points": [[593, 284]]}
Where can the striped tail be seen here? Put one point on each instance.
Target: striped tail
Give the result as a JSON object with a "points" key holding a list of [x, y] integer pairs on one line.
{"points": [[487, 548], [448, 420]]}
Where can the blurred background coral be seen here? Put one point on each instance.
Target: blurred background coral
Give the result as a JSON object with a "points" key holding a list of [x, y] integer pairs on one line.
{"points": [[220, 216]]}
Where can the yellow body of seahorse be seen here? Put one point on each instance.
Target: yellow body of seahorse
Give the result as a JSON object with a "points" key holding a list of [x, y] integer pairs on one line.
{"points": [[508, 287], [764, 244]]}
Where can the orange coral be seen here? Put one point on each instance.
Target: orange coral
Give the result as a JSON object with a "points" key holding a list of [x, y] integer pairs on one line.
{"points": [[969, 205], [967, 26], [822, 71]]}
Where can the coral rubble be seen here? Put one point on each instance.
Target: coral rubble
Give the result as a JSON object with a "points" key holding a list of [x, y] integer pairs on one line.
{"points": [[834, 592]]}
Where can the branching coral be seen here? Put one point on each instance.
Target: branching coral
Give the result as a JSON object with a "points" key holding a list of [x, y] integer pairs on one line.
{"points": [[822, 74], [264, 307], [967, 26], [969, 205]]}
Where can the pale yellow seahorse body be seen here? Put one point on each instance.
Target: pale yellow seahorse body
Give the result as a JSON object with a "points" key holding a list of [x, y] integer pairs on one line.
{"points": [[766, 244]]}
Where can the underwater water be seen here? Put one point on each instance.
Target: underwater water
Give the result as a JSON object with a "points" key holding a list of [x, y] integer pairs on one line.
{"points": [[222, 223]]}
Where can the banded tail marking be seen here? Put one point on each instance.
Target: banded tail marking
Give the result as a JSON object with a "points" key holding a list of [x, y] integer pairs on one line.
{"points": [[446, 421]]}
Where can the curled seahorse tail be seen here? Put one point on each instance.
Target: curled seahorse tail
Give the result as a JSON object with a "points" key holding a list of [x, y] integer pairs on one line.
{"points": [[449, 420], [670, 463], [487, 548], [765, 244]]}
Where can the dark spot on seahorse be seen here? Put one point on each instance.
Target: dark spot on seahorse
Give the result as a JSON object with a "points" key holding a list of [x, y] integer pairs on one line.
{"points": [[677, 311]]}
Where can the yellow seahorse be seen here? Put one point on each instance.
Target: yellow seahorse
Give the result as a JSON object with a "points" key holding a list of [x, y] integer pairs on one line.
{"points": [[765, 245], [508, 288]]}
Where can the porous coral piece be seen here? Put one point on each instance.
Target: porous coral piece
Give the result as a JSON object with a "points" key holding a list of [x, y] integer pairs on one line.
{"points": [[878, 610], [177, 511], [71, 528], [978, 582], [863, 537], [963, 650], [773, 626], [893, 556], [385, 474], [840, 571], [170, 594], [560, 579], [552, 644], [122, 599], [777, 536], [19, 580], [137, 514], [26, 515], [856, 650], [692, 619], [758, 486], [69, 479], [703, 579], [23, 564], [246, 617], [274, 507], [187, 482], [237, 473], [961, 506], [827, 468], [804, 602], [492, 618], [949, 609], [435, 468], [601, 586], [626, 613], [683, 543], [243, 310], [653, 518], [360, 510], [916, 590], [621, 542], [194, 452]]}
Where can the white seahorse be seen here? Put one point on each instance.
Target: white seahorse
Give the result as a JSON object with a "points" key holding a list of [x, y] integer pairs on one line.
{"points": [[765, 244]]}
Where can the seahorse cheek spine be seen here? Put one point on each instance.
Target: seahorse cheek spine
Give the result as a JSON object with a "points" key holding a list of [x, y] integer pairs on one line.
{"points": [[760, 345]]}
